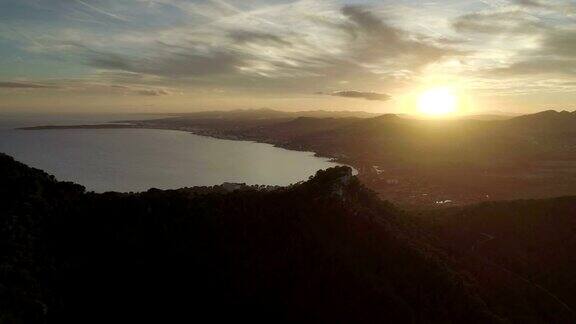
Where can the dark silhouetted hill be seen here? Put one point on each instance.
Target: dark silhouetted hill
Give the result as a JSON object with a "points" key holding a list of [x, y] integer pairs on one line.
{"points": [[519, 249], [323, 251]]}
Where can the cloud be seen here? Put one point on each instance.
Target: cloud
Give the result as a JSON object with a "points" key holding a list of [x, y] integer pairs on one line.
{"points": [[554, 55], [111, 61], [153, 92], [561, 42], [565, 8], [102, 11], [25, 85], [351, 41], [374, 96], [180, 63], [97, 84], [376, 39], [537, 66], [245, 36], [532, 3], [282, 47], [527, 45], [507, 22]]}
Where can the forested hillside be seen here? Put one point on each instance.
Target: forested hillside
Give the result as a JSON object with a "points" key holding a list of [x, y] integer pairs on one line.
{"points": [[522, 248], [323, 251]]}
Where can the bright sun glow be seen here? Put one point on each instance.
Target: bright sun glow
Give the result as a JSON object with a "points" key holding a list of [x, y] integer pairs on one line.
{"points": [[438, 102]]}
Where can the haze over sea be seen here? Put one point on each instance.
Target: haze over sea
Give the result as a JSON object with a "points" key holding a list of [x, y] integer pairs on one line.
{"points": [[139, 159]]}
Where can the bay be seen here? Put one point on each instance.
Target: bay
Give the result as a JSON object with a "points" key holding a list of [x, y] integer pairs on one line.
{"points": [[138, 159]]}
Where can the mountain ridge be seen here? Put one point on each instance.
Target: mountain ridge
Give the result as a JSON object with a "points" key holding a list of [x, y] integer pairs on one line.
{"points": [[326, 250], [284, 254]]}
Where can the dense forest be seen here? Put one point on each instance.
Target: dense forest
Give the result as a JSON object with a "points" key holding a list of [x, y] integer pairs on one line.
{"points": [[326, 250], [520, 249]]}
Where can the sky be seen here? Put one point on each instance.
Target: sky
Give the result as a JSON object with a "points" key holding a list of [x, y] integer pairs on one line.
{"points": [[509, 56]]}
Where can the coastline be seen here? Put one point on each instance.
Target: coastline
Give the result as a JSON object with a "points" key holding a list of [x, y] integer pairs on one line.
{"points": [[199, 132]]}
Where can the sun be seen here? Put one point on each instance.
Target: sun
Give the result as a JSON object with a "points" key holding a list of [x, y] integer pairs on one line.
{"points": [[438, 102]]}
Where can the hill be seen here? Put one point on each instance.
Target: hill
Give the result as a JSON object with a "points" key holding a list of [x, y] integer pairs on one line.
{"points": [[521, 248], [323, 251], [550, 120], [418, 163], [327, 250]]}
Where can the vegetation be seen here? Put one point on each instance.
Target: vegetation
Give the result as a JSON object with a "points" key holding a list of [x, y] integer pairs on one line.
{"points": [[327, 250], [523, 250]]}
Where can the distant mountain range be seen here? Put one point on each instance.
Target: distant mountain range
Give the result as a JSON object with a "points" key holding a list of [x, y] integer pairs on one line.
{"points": [[401, 140]]}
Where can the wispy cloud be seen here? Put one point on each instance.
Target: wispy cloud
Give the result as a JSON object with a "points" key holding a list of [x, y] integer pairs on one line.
{"points": [[25, 85], [502, 22], [102, 11], [374, 96], [245, 36], [123, 84], [532, 3], [154, 92]]}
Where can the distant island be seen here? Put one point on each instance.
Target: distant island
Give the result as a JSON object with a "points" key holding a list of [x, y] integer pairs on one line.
{"points": [[414, 162]]}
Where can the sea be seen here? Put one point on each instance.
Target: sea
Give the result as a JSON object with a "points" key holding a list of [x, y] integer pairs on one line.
{"points": [[133, 160]]}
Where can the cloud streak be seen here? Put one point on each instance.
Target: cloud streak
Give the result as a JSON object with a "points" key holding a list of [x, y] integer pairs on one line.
{"points": [[25, 85], [506, 22], [153, 92], [372, 96], [102, 12]]}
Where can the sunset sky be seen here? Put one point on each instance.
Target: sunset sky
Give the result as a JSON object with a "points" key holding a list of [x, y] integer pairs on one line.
{"points": [[190, 55]]}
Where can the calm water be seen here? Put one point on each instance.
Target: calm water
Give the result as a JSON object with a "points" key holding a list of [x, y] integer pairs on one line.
{"points": [[139, 159]]}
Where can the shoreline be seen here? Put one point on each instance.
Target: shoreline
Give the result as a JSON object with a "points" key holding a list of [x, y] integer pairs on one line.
{"points": [[199, 132], [411, 187]]}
